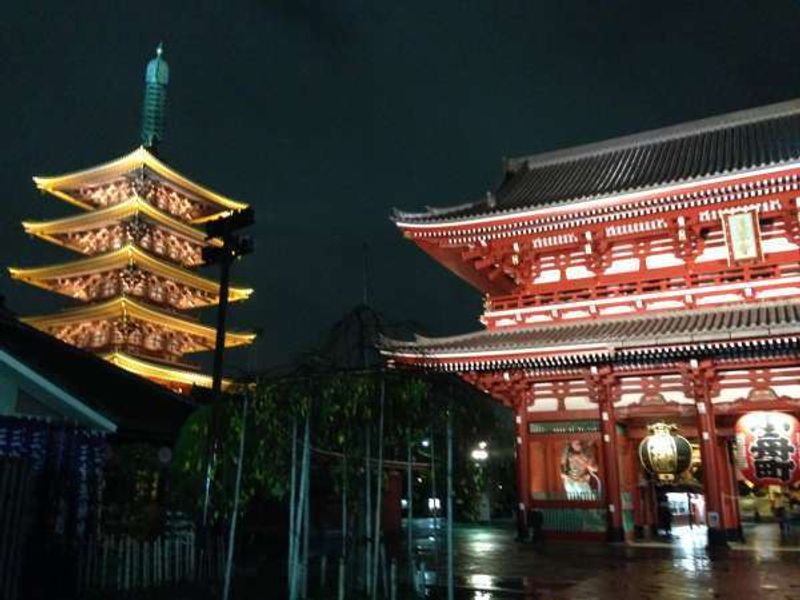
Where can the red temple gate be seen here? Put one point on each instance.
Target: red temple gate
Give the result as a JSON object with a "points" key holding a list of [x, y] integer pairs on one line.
{"points": [[648, 278]]}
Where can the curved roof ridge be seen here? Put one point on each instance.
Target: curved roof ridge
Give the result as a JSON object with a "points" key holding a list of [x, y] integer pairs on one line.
{"points": [[131, 206], [126, 305], [435, 211], [732, 144], [420, 342], [137, 159], [124, 255], [660, 134]]}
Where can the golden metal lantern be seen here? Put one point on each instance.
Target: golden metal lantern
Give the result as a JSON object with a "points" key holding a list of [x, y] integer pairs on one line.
{"points": [[665, 453]]}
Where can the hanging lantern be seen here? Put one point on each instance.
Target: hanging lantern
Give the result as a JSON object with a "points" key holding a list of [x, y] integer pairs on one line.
{"points": [[664, 453], [768, 448]]}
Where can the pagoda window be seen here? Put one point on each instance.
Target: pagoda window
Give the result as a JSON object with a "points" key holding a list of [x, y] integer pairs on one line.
{"points": [[154, 341], [109, 287], [159, 243], [174, 346], [98, 337], [157, 292], [135, 338], [173, 294]]}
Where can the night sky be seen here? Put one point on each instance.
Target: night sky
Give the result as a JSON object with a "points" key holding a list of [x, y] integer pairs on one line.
{"points": [[325, 115]]}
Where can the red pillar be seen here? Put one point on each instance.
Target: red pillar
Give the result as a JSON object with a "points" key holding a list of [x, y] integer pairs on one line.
{"points": [[707, 431], [638, 492], [649, 501], [729, 491], [523, 473], [608, 429], [392, 512]]}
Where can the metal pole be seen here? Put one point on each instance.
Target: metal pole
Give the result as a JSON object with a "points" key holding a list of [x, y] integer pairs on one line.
{"points": [[367, 520], [341, 591], [303, 508], [393, 581], [410, 513], [343, 557], [434, 510], [378, 496], [292, 494], [450, 580], [299, 512], [236, 493], [222, 311], [216, 386], [306, 529]]}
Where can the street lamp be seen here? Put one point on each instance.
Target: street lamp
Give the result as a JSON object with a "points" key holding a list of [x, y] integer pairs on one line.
{"points": [[480, 453]]}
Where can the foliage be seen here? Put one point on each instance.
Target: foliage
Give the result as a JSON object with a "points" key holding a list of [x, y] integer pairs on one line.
{"points": [[133, 477], [342, 405]]}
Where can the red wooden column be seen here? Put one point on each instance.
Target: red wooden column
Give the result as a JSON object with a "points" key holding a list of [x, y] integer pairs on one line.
{"points": [[702, 375], [392, 512], [729, 491], [604, 385], [639, 493], [523, 468]]}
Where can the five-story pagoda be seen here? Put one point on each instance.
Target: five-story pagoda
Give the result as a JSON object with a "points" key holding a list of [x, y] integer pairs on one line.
{"points": [[140, 242]]}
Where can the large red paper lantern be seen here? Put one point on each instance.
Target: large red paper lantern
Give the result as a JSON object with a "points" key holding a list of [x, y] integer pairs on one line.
{"points": [[768, 448]]}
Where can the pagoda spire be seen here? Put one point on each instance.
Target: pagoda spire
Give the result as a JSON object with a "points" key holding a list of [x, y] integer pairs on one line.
{"points": [[156, 78]]}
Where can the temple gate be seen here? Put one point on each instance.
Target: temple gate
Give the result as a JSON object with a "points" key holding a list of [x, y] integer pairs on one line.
{"points": [[653, 277]]}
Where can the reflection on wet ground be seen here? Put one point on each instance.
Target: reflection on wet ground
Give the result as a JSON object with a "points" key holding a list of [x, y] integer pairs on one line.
{"points": [[491, 565]]}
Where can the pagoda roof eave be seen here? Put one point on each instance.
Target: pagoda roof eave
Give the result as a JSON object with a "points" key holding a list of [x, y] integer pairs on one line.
{"points": [[125, 306], [98, 218], [573, 343], [132, 161], [161, 372], [126, 255]]}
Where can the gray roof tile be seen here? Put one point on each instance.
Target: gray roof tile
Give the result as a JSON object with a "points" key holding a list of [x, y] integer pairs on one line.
{"points": [[724, 144], [674, 327]]}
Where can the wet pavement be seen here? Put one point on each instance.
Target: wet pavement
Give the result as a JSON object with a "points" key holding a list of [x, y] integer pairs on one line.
{"points": [[491, 565]]}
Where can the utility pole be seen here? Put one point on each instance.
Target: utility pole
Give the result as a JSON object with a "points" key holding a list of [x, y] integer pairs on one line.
{"points": [[224, 248]]}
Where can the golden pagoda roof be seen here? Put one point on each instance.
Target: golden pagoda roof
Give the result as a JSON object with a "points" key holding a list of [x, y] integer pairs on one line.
{"points": [[119, 259], [140, 158], [160, 372], [95, 219], [126, 307]]}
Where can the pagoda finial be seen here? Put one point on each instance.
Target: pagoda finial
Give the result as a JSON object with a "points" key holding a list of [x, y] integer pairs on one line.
{"points": [[156, 78]]}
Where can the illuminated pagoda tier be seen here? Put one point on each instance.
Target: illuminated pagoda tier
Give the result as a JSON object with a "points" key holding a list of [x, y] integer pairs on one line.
{"points": [[141, 239], [649, 278]]}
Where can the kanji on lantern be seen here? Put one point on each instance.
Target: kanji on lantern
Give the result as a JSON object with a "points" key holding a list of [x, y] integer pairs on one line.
{"points": [[768, 448]]}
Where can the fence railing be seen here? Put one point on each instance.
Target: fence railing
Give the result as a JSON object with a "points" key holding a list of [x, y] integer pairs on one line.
{"points": [[592, 496], [123, 563]]}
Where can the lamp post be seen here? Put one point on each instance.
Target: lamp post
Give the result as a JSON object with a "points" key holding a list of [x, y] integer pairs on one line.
{"points": [[480, 455], [232, 248]]}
